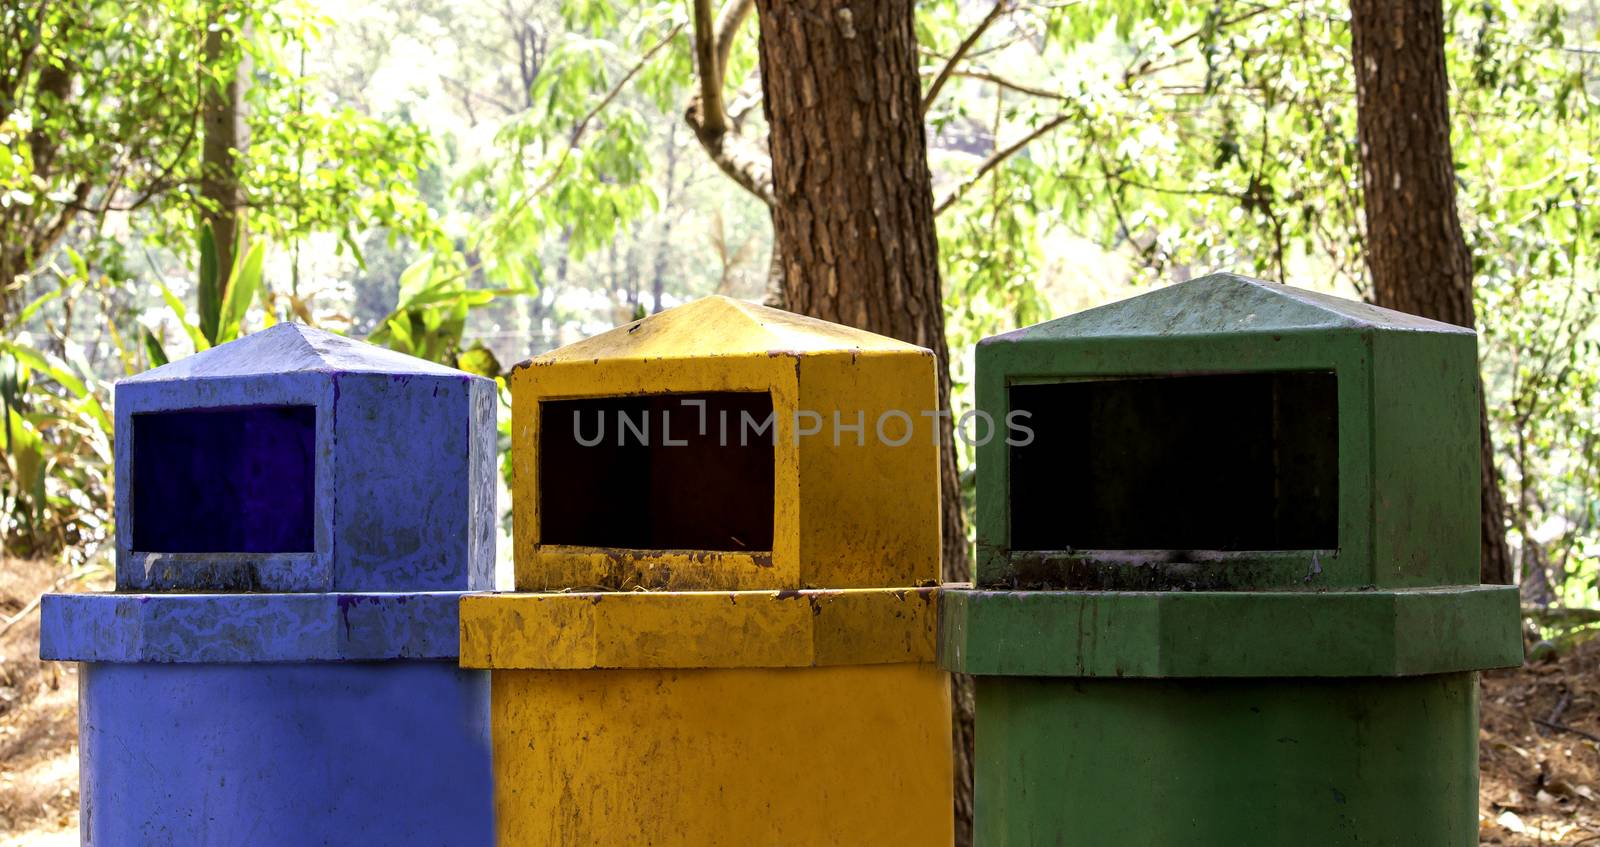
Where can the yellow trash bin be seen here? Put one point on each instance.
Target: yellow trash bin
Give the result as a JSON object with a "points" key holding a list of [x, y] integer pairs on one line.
{"points": [[727, 550]]}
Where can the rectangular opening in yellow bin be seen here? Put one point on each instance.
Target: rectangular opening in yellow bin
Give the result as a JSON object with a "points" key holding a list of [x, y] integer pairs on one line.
{"points": [[1219, 462], [658, 472]]}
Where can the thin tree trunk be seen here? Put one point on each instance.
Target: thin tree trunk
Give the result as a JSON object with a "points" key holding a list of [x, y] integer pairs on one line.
{"points": [[658, 285], [26, 235], [566, 255], [773, 294], [1416, 252], [222, 116], [630, 278], [853, 222]]}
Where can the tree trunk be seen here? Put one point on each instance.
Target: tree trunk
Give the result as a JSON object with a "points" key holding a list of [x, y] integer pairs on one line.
{"points": [[222, 117], [772, 286], [658, 285], [27, 234], [1416, 252], [853, 215]]}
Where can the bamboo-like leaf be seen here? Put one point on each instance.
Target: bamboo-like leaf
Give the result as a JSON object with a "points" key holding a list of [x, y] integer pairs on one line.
{"points": [[393, 332], [153, 349], [355, 251], [416, 279], [48, 365], [38, 303], [25, 451], [242, 284], [79, 266], [91, 407], [479, 360], [182, 314], [209, 297]]}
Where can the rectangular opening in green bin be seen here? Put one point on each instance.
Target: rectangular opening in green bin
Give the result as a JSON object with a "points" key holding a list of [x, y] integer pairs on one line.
{"points": [[658, 472], [1217, 462]]}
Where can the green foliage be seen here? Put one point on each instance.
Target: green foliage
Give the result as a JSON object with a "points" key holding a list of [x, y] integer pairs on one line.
{"points": [[221, 304], [1527, 122], [209, 284], [1208, 136], [1222, 136], [1145, 141], [97, 104], [55, 445], [432, 313], [568, 167], [100, 143], [101, 108], [243, 281], [222, 301]]}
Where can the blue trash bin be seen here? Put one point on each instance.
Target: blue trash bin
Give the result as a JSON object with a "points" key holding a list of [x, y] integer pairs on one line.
{"points": [[297, 517]]}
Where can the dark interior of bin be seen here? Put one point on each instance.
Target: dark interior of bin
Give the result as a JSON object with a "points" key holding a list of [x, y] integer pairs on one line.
{"points": [[1222, 462], [237, 480], [633, 489]]}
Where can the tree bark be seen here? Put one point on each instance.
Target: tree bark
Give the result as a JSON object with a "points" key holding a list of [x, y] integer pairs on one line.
{"points": [[222, 117], [853, 216], [1416, 251]]}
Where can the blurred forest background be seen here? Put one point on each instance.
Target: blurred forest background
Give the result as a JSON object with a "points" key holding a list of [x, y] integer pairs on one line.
{"points": [[476, 181]]}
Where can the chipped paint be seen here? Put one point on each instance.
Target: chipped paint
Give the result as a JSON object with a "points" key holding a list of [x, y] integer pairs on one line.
{"points": [[833, 525], [1252, 697], [390, 753], [698, 629], [404, 455], [294, 703], [692, 698], [695, 757]]}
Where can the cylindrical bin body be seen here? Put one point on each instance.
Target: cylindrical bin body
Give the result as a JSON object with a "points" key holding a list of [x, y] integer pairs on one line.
{"points": [[298, 517], [858, 754], [355, 753], [1227, 576], [725, 631], [1228, 761]]}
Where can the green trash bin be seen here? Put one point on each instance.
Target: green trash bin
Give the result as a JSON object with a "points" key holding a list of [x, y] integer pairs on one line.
{"points": [[1227, 579]]}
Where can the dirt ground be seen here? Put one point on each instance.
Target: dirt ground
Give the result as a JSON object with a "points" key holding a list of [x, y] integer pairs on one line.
{"points": [[38, 716], [1539, 751], [1540, 739]]}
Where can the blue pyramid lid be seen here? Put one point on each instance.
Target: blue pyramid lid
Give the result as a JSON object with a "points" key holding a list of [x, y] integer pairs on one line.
{"points": [[288, 348]]}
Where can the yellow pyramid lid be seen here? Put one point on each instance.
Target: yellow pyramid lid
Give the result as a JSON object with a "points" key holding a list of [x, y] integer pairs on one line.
{"points": [[721, 326]]}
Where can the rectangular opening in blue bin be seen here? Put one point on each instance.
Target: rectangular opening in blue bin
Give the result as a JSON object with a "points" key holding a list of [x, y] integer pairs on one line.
{"points": [[1216, 462], [640, 473], [233, 480]]}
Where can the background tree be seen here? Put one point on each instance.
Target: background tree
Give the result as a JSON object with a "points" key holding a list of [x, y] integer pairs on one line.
{"points": [[1415, 249], [847, 183], [225, 72], [1162, 138], [89, 125], [107, 165], [852, 213], [853, 197], [1079, 152]]}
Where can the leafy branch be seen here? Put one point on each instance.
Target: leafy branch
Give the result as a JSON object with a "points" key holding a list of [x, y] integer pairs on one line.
{"points": [[1000, 7], [737, 156], [997, 158]]}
